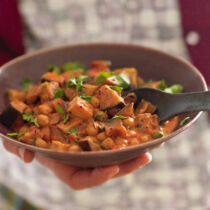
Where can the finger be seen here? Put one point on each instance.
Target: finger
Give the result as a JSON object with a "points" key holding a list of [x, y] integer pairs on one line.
{"points": [[134, 164], [86, 178], [26, 155], [79, 178]]}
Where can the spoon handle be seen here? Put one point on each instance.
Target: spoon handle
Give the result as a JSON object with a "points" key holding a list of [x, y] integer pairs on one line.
{"points": [[190, 102]]}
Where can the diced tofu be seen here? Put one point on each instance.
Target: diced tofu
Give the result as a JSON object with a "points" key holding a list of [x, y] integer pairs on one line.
{"points": [[147, 123], [108, 98], [53, 76], [44, 109], [19, 106], [45, 133], [89, 89], [70, 93], [33, 93], [72, 123], [15, 94], [80, 108], [47, 92], [56, 102], [115, 128], [127, 110], [55, 118], [70, 74], [145, 107], [59, 146]]}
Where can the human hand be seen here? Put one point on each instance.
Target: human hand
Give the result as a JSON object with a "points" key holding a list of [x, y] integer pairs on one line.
{"points": [[80, 178]]}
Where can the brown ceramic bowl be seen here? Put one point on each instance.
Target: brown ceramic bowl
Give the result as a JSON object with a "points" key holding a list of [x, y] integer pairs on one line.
{"points": [[152, 64]]}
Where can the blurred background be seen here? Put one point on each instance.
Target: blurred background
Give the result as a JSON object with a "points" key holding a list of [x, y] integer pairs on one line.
{"points": [[179, 175]]}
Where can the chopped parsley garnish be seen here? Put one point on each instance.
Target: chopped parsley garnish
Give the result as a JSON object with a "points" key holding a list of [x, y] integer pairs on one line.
{"points": [[78, 82], [54, 68], [72, 131], [157, 135], [27, 116], [85, 97], [19, 135], [100, 117], [63, 113], [148, 82], [73, 66], [76, 141], [123, 80], [184, 121], [162, 85], [26, 83], [176, 88], [103, 76], [59, 93], [118, 88], [119, 117]]}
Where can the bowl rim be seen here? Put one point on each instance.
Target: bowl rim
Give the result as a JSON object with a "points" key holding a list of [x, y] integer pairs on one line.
{"points": [[105, 44]]}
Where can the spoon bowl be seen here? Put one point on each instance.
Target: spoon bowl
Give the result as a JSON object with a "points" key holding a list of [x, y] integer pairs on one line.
{"points": [[169, 105]]}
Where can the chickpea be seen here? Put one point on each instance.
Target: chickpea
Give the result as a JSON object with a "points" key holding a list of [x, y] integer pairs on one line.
{"points": [[120, 140], [75, 148], [133, 141], [91, 130], [45, 109], [129, 122], [101, 136], [94, 101], [108, 143], [145, 138], [132, 133], [43, 120], [41, 143]]}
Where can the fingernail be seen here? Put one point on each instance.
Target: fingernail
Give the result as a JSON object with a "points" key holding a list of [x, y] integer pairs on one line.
{"points": [[149, 156], [21, 152]]}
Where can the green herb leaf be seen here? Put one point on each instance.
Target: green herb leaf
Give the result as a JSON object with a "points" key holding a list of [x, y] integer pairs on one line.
{"points": [[184, 121], [26, 83], [73, 66], [59, 93], [103, 76], [100, 117], [176, 88], [27, 116], [148, 82], [76, 141], [63, 113], [119, 117], [54, 68], [85, 97], [78, 82], [19, 135], [157, 134], [72, 131], [123, 80], [162, 85], [117, 88]]}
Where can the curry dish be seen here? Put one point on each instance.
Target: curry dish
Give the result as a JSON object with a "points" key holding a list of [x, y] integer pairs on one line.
{"points": [[74, 109]]}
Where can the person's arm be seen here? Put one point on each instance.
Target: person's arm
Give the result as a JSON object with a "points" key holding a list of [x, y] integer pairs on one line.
{"points": [[80, 178]]}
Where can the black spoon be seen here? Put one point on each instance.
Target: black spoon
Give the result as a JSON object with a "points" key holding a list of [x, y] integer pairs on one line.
{"points": [[169, 105]]}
